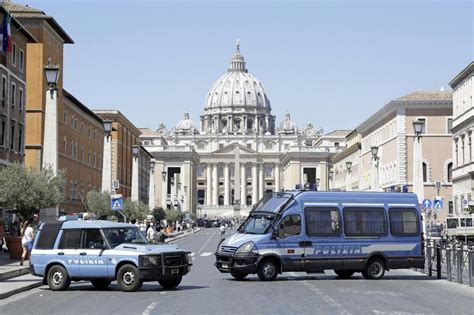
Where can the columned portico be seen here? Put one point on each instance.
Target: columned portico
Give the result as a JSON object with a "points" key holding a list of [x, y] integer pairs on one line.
{"points": [[215, 186], [243, 185], [209, 184], [254, 184], [226, 184]]}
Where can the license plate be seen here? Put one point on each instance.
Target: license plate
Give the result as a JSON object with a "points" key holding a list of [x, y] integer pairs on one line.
{"points": [[174, 271], [225, 266]]}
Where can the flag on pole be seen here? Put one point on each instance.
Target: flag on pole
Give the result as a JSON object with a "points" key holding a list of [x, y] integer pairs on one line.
{"points": [[6, 34]]}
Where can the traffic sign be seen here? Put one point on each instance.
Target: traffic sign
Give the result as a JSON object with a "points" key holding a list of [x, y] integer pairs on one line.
{"points": [[465, 203], [116, 204], [438, 204], [426, 203]]}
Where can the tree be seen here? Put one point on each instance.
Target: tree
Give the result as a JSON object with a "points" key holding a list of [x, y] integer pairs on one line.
{"points": [[135, 210], [159, 214], [173, 215], [99, 203], [26, 189]]}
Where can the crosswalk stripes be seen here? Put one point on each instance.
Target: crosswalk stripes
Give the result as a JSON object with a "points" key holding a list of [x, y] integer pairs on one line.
{"points": [[205, 254]]}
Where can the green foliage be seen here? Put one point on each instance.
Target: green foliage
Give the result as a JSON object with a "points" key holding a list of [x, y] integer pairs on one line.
{"points": [[135, 210], [159, 214], [99, 203], [26, 189], [173, 215]]}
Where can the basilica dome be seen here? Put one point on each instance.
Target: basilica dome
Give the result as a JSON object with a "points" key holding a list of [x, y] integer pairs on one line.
{"points": [[237, 88], [186, 126], [287, 126]]}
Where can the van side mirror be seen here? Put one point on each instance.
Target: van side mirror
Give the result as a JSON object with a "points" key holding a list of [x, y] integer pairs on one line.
{"points": [[275, 233]]}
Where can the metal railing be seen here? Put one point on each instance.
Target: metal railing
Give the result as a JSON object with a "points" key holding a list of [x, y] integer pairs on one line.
{"points": [[452, 261]]}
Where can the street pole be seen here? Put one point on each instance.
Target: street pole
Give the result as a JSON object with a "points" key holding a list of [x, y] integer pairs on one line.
{"points": [[50, 136], [151, 186], [135, 153], [107, 157], [418, 188]]}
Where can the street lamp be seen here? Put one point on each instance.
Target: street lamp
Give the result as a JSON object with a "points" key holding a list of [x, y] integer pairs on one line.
{"points": [[418, 126], [418, 186], [135, 150], [375, 151], [163, 175], [51, 73], [172, 180], [107, 160], [349, 166], [108, 127], [330, 179], [152, 165], [375, 168], [185, 188], [317, 183]]}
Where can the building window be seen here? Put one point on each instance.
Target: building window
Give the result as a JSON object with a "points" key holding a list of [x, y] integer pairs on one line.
{"points": [[249, 146], [268, 171], [268, 145], [450, 207], [221, 145], [20, 138], [65, 145], [21, 60], [449, 125], [89, 133], [4, 90], [94, 134], [469, 139], [449, 172], [287, 147], [13, 94], [82, 153], [425, 172], [75, 123], [309, 143], [65, 117], [12, 135], [20, 98], [82, 127], [336, 144], [14, 55], [94, 159], [3, 132]]}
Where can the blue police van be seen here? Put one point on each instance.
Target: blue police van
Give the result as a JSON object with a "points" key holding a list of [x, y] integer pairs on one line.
{"points": [[102, 251], [311, 231]]}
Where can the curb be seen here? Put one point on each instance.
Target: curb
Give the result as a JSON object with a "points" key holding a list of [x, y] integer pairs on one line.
{"points": [[14, 273], [20, 290]]}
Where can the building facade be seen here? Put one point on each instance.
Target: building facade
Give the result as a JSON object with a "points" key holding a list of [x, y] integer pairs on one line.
{"points": [[391, 131], [124, 136], [13, 94], [238, 154], [346, 170], [462, 130]]}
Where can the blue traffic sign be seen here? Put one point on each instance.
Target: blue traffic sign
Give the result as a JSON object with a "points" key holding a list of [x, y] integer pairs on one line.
{"points": [[438, 204], [116, 204], [426, 203]]}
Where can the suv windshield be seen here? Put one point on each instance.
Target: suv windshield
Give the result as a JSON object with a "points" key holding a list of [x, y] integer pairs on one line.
{"points": [[119, 235], [257, 223]]}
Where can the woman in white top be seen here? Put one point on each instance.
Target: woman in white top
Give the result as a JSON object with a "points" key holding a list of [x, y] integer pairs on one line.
{"points": [[26, 240]]}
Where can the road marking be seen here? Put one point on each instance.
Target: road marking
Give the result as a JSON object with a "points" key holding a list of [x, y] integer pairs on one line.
{"points": [[200, 250], [20, 296], [326, 298], [192, 254], [206, 254], [150, 308]]}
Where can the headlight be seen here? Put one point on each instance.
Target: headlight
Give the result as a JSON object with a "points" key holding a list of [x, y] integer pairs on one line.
{"points": [[150, 260], [188, 256], [245, 248]]}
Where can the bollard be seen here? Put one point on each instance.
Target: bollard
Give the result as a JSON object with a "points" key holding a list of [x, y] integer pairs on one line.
{"points": [[448, 263], [459, 264], [430, 261], [471, 265], [438, 262]]}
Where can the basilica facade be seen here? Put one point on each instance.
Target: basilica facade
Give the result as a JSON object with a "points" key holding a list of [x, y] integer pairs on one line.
{"points": [[238, 152]]}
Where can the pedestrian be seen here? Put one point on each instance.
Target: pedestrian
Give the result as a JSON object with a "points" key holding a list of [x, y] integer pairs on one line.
{"points": [[222, 228], [26, 240], [151, 232]]}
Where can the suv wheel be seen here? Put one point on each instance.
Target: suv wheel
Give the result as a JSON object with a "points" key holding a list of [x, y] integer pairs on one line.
{"points": [[344, 274], [58, 278], [267, 270], [238, 275], [374, 270], [100, 284], [170, 283], [128, 278]]}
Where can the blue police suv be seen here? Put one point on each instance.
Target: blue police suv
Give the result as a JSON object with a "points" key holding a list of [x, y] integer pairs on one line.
{"points": [[102, 251]]}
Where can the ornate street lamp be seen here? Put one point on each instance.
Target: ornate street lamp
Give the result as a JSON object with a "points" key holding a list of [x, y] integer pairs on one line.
{"points": [[172, 180], [51, 73], [375, 151], [152, 164], [107, 127], [418, 126], [348, 165], [163, 175], [135, 150], [185, 189]]}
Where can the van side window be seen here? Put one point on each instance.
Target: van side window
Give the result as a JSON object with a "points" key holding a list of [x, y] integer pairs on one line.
{"points": [[322, 222], [70, 239], [365, 222], [91, 238], [290, 225], [403, 221]]}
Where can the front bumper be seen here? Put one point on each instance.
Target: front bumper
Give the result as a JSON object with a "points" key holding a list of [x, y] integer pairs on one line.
{"points": [[163, 272], [236, 263]]}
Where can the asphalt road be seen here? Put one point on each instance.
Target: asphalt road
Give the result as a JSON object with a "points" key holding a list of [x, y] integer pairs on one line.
{"points": [[206, 291]]}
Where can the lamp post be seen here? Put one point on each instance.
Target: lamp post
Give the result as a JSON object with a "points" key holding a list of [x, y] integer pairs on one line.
{"points": [[50, 140], [331, 176], [375, 168], [418, 189], [135, 160], [107, 157], [349, 176], [318, 181], [151, 186]]}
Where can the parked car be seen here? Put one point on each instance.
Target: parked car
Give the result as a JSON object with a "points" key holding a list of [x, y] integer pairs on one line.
{"points": [[103, 251]]}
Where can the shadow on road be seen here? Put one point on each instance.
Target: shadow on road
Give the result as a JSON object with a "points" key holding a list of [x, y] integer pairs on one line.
{"points": [[114, 288], [336, 278]]}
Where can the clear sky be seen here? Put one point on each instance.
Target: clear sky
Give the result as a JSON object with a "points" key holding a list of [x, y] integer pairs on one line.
{"points": [[330, 62]]}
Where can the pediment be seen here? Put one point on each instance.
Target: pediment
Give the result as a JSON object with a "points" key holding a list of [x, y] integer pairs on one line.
{"points": [[230, 149]]}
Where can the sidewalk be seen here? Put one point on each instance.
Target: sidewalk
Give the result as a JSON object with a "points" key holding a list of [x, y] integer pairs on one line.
{"points": [[16, 279]]}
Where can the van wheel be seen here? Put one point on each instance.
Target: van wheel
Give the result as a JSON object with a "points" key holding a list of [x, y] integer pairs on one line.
{"points": [[374, 270], [128, 278], [267, 270], [170, 283], [344, 274], [101, 284], [58, 278], [238, 275]]}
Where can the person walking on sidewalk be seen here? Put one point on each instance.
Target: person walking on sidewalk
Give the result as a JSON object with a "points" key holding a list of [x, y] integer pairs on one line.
{"points": [[26, 240], [222, 228]]}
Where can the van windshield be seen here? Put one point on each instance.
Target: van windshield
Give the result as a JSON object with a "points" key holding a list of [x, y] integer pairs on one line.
{"points": [[257, 223], [120, 235], [272, 203]]}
